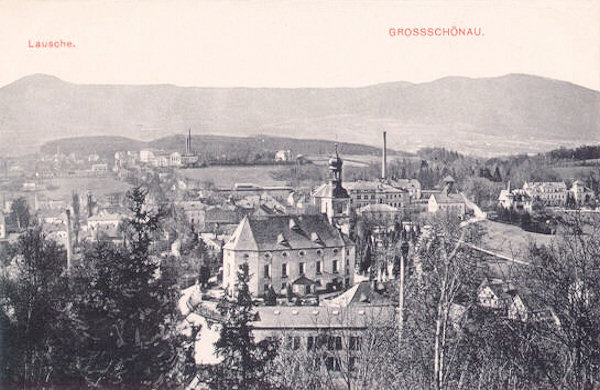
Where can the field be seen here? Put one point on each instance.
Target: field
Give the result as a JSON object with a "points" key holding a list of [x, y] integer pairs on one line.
{"points": [[227, 176], [99, 186], [510, 240]]}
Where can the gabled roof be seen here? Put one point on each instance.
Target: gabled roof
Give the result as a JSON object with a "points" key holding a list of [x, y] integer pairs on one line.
{"points": [[277, 233], [360, 295], [242, 238], [444, 197], [405, 183], [330, 190]]}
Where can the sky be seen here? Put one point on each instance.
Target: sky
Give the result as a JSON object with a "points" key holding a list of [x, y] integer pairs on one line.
{"points": [[297, 43]]}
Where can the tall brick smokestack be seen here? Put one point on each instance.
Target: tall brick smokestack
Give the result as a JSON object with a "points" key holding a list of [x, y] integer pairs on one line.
{"points": [[384, 157]]}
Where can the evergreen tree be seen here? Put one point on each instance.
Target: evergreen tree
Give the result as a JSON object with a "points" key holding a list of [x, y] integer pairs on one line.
{"points": [[243, 359], [125, 301], [32, 326], [19, 213]]}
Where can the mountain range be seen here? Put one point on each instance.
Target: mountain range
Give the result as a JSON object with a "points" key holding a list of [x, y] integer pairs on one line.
{"points": [[210, 147], [485, 116]]}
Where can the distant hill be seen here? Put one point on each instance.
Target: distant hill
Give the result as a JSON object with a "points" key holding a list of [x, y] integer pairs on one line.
{"points": [[101, 145], [208, 146], [487, 116]]}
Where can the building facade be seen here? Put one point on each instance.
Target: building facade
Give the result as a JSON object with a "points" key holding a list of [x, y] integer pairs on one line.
{"points": [[550, 193], [284, 251], [363, 193]]}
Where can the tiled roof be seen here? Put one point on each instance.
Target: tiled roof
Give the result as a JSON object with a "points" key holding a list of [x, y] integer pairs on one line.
{"points": [[330, 190], [360, 295], [546, 185], [444, 197], [278, 233], [370, 186], [378, 208], [320, 317], [406, 183]]}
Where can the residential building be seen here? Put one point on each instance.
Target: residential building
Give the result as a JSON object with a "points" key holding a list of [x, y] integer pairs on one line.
{"points": [[517, 200], [363, 193], [281, 251], [550, 193], [147, 155], [448, 200], [104, 225], [412, 186], [335, 336], [284, 155], [580, 193]]}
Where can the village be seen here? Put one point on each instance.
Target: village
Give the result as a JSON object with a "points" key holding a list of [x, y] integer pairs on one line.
{"points": [[326, 264]]}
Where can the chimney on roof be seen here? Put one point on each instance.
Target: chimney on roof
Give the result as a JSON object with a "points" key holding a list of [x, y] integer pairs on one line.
{"points": [[384, 157]]}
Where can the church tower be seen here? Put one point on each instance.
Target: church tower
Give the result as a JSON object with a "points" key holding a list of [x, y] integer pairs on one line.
{"points": [[335, 202]]}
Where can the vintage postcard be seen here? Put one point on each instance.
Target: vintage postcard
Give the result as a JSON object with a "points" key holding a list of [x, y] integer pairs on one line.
{"points": [[323, 194]]}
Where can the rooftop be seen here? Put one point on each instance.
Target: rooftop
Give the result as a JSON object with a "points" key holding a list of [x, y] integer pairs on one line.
{"points": [[285, 232], [320, 317]]}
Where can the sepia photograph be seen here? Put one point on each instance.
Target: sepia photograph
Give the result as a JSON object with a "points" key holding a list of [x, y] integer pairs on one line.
{"points": [[300, 195]]}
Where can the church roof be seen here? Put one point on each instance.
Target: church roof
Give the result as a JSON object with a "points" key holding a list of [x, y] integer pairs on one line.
{"points": [[285, 232], [331, 190]]}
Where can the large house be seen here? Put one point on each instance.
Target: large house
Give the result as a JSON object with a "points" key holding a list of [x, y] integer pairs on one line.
{"points": [[305, 252], [550, 193], [412, 186], [580, 193], [517, 200], [363, 193], [447, 200], [334, 336]]}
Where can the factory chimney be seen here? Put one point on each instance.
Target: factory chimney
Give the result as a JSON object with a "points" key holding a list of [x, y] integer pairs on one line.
{"points": [[69, 241], [384, 158]]}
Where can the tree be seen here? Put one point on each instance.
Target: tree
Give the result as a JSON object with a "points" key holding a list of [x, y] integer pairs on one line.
{"points": [[76, 217], [32, 321], [563, 280], [19, 212], [125, 300], [434, 295], [340, 355], [243, 359]]}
